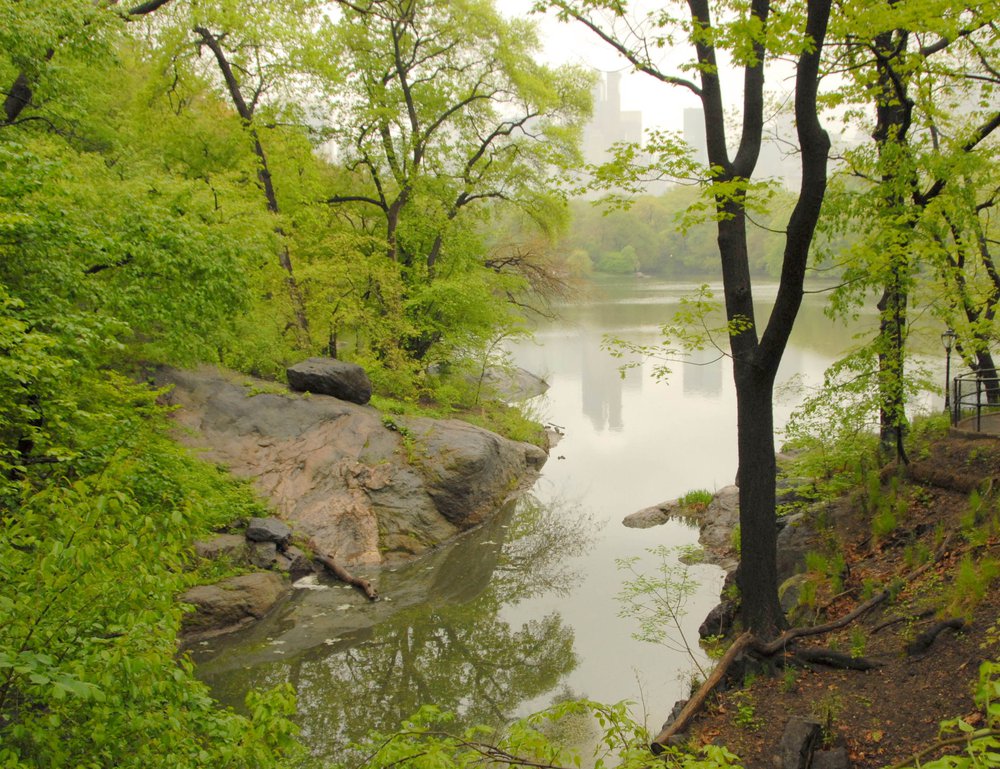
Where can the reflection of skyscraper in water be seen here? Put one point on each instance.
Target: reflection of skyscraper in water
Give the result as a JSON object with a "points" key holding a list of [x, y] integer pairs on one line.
{"points": [[703, 373], [602, 386]]}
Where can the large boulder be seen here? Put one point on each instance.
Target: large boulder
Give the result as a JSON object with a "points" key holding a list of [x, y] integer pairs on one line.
{"points": [[231, 604], [269, 530], [329, 376], [360, 487]]}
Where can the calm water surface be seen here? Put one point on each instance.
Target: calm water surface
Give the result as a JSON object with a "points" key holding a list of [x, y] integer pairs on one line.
{"points": [[523, 612]]}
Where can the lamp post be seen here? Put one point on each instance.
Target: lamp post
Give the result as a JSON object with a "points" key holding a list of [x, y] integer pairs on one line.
{"points": [[948, 340]]}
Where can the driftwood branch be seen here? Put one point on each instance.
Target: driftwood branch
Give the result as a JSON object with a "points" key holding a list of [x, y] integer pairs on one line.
{"points": [[344, 575], [748, 642], [698, 699]]}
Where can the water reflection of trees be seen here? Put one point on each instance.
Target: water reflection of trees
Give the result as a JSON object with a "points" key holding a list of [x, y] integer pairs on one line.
{"points": [[451, 649], [540, 539], [460, 658]]}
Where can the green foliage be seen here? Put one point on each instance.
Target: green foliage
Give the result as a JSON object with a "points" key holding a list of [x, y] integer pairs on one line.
{"points": [[746, 712], [698, 324], [830, 568], [888, 508], [437, 156], [657, 599], [671, 235], [426, 741], [697, 499], [834, 429], [973, 580], [858, 642], [736, 539], [93, 553]]}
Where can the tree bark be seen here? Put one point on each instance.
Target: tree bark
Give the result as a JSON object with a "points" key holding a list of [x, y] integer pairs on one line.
{"points": [[19, 94], [894, 115]]}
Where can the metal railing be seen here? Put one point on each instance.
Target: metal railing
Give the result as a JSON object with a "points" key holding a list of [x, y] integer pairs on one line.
{"points": [[975, 403]]}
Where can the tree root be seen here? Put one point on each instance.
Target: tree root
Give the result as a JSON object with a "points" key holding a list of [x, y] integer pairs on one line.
{"points": [[896, 620], [344, 575], [923, 642], [832, 659], [748, 642]]}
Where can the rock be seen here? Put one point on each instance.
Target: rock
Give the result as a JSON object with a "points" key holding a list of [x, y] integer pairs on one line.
{"points": [[798, 742], [294, 562], [838, 758], [513, 384], [720, 619], [535, 457], [232, 547], [329, 376], [269, 530], [230, 604], [463, 466], [796, 538], [334, 472], [675, 713], [789, 592], [653, 516], [263, 555]]}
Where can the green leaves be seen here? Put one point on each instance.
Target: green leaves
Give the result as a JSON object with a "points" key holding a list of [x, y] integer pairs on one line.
{"points": [[92, 553]]}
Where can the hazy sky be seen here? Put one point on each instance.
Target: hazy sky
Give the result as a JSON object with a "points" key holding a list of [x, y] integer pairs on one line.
{"points": [[662, 105]]}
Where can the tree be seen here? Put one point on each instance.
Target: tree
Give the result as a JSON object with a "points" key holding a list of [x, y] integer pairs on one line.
{"points": [[109, 255], [443, 119], [753, 35], [927, 77]]}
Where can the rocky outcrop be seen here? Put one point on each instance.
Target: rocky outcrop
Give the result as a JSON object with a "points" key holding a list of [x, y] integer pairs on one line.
{"points": [[359, 486], [329, 376], [716, 523]]}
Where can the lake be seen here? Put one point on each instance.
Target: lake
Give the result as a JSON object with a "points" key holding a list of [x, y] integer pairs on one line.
{"points": [[524, 611]]}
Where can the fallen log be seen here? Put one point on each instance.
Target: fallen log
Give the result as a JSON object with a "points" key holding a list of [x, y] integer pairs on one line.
{"points": [[694, 704], [344, 575]]}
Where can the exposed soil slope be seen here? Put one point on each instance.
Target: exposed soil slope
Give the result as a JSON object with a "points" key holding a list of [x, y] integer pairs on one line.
{"points": [[893, 711]]}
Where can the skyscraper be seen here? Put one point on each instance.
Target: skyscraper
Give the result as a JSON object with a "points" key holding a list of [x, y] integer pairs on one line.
{"points": [[609, 123]]}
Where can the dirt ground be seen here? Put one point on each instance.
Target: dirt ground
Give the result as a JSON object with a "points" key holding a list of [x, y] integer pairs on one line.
{"points": [[889, 713]]}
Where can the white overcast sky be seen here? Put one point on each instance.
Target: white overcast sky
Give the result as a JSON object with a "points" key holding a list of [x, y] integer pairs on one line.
{"points": [[661, 105]]}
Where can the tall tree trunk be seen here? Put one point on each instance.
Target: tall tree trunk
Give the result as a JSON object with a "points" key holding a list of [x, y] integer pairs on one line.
{"points": [[246, 113], [756, 356], [757, 577], [894, 112]]}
